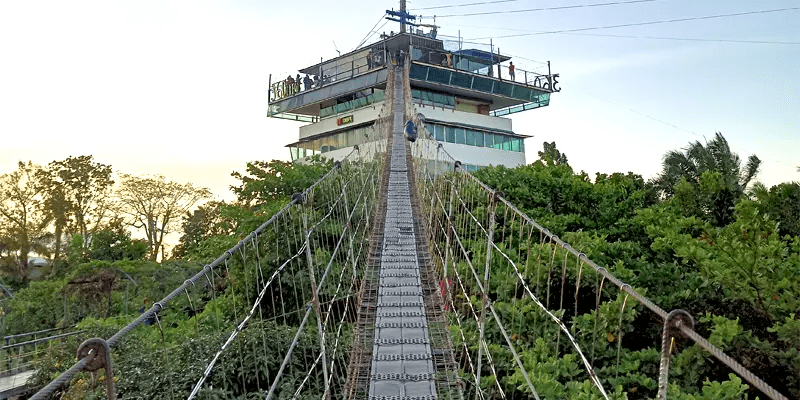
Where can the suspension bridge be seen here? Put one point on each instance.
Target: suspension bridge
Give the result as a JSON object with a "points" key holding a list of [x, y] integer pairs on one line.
{"points": [[400, 276]]}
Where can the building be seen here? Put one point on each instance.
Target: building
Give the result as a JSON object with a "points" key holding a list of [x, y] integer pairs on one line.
{"points": [[464, 95]]}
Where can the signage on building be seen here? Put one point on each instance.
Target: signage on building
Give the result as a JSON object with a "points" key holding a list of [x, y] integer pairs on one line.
{"points": [[344, 120]]}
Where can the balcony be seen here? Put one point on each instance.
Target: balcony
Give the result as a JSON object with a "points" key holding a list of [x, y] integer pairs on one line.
{"points": [[471, 71], [316, 95]]}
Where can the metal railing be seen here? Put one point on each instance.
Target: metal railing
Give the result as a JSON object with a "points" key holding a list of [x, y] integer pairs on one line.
{"points": [[454, 60], [329, 72]]}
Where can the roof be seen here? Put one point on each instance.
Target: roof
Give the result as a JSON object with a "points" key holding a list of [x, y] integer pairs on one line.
{"points": [[481, 56], [396, 41]]}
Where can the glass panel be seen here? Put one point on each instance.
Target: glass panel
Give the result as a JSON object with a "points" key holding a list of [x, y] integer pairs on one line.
{"points": [[507, 144], [418, 72], [439, 75], [439, 133], [522, 93], [502, 88], [462, 80], [482, 84], [522, 145], [450, 133], [478, 138], [489, 140], [498, 141], [429, 127], [470, 137], [460, 136], [515, 145]]}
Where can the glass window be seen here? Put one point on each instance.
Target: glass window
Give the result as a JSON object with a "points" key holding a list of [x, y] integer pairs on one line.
{"points": [[515, 145], [499, 140], [489, 140], [471, 137], [439, 132], [460, 136], [450, 134], [429, 127], [478, 138], [507, 143], [522, 145]]}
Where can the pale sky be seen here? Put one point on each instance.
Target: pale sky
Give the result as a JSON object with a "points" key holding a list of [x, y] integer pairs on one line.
{"points": [[179, 88]]}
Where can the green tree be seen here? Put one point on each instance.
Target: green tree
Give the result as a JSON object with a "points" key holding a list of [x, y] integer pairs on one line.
{"points": [[782, 203], [155, 205], [23, 219], [78, 198], [551, 156], [266, 181], [698, 159], [210, 219]]}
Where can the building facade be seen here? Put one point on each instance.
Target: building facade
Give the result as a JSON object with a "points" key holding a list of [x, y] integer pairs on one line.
{"points": [[464, 94]]}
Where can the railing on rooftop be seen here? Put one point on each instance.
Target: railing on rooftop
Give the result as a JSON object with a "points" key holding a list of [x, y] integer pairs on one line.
{"points": [[329, 72], [452, 60]]}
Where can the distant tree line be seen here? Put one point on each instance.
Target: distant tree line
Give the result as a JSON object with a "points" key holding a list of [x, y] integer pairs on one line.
{"points": [[73, 210]]}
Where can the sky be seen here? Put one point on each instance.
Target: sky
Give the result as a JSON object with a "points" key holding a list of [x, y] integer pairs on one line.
{"points": [[179, 88]]}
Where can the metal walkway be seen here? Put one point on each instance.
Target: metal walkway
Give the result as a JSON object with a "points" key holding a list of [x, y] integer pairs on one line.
{"points": [[402, 366]]}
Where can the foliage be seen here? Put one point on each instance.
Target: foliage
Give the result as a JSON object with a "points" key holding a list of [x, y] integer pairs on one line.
{"points": [[687, 173], [23, 220], [154, 204], [266, 181], [79, 196]]}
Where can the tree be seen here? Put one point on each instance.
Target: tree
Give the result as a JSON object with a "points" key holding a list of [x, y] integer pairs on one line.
{"points": [[698, 159], [155, 205], [207, 220], [551, 156], [78, 197], [267, 181], [23, 219], [782, 203]]}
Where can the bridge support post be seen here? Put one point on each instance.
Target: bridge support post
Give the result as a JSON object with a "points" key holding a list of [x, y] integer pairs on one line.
{"points": [[672, 330], [485, 290], [448, 237], [315, 295]]}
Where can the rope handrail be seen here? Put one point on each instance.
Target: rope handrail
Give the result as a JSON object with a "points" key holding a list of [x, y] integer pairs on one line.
{"points": [[440, 154], [157, 307]]}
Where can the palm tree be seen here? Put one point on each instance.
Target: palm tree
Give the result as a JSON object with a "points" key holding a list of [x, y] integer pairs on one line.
{"points": [[714, 156]]}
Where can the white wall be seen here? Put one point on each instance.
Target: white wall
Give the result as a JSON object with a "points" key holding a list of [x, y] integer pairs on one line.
{"points": [[366, 114], [464, 117], [484, 156]]}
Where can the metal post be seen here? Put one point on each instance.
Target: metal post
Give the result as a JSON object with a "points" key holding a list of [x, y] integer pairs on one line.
{"points": [[450, 228], [672, 329], [403, 10], [314, 296], [485, 291]]}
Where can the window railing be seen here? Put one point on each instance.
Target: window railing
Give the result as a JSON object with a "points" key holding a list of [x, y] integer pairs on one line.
{"points": [[471, 137], [352, 104]]}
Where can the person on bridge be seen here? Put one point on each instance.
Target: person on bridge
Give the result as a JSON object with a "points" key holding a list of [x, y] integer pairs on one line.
{"points": [[511, 70], [411, 131]]}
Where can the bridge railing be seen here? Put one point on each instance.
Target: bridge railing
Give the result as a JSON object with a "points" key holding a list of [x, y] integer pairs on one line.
{"points": [[525, 306], [289, 287]]}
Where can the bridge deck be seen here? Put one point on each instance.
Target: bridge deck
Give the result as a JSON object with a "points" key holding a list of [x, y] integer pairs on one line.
{"points": [[402, 360], [13, 384]]}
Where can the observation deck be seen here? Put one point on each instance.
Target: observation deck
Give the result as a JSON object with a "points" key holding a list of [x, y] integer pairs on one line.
{"points": [[357, 79]]}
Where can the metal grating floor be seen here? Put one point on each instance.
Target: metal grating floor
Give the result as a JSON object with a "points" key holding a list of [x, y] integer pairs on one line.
{"points": [[402, 361]]}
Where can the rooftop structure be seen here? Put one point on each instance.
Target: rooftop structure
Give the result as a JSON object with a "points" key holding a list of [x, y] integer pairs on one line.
{"points": [[463, 93]]}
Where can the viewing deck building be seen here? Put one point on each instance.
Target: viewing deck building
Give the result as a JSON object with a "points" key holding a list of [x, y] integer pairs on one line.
{"points": [[463, 94]]}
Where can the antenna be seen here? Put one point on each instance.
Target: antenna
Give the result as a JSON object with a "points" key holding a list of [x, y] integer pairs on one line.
{"points": [[336, 48]]}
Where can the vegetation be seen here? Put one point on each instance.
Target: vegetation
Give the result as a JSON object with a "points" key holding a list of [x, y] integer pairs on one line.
{"points": [[694, 238]]}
